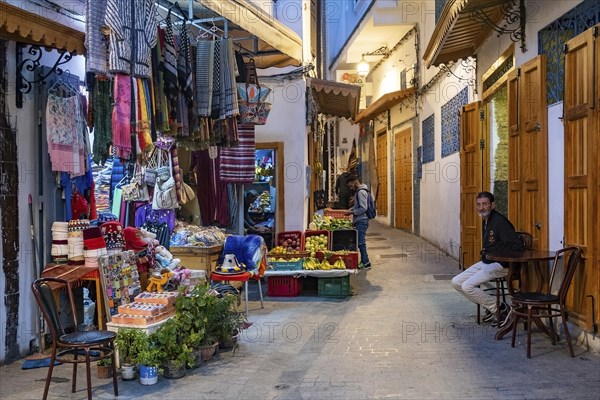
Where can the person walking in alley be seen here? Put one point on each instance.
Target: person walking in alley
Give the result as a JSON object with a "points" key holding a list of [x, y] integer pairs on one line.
{"points": [[359, 216], [498, 236]]}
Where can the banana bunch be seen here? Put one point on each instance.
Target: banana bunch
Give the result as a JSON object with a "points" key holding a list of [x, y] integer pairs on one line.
{"points": [[313, 264], [280, 259]]}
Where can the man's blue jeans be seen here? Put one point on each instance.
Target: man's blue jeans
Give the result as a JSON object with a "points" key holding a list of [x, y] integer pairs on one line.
{"points": [[361, 227]]}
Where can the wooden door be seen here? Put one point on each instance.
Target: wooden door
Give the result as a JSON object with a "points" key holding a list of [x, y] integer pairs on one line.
{"points": [[403, 179], [472, 165], [528, 150], [381, 201], [582, 150]]}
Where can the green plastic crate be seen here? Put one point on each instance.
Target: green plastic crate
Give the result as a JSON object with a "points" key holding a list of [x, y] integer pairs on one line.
{"points": [[338, 286]]}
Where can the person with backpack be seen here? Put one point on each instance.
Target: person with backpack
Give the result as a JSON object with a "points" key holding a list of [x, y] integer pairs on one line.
{"points": [[362, 210]]}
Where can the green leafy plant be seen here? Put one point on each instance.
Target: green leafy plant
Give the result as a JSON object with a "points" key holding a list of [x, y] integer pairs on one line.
{"points": [[150, 355], [169, 341], [130, 341], [105, 362], [230, 321]]}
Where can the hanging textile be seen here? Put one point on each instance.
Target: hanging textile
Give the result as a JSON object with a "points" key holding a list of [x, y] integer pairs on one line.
{"points": [[238, 163], [143, 119], [213, 200], [204, 76], [96, 42], [184, 66], [121, 116], [228, 91], [171, 88], [133, 30], [161, 109], [102, 106]]}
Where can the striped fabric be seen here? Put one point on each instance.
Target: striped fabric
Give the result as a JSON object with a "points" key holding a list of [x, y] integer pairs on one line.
{"points": [[130, 52], [95, 41], [228, 93], [204, 76], [184, 66], [238, 163], [170, 84]]}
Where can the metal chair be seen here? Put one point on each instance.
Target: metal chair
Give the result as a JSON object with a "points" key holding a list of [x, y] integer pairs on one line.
{"points": [[500, 283], [66, 347], [548, 303], [256, 274]]}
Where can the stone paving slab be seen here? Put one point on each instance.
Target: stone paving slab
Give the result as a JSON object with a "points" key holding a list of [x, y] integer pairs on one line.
{"points": [[402, 335]]}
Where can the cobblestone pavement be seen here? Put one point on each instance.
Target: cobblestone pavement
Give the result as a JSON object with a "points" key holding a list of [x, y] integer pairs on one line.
{"points": [[403, 334]]}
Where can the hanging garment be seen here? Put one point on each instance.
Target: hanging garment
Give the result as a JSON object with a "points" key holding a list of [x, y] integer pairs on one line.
{"points": [[184, 66], [102, 106], [238, 163], [204, 76], [213, 199], [216, 92], [96, 42], [143, 122], [228, 91], [133, 30], [176, 172], [171, 87], [121, 116], [63, 134]]}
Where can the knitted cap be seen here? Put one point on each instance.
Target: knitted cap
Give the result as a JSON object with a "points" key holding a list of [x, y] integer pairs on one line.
{"points": [[113, 234], [78, 224], [133, 239]]}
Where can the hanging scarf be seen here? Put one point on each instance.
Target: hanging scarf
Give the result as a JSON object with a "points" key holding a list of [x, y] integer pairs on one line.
{"points": [[171, 88], [184, 66], [121, 116], [102, 106], [204, 76]]}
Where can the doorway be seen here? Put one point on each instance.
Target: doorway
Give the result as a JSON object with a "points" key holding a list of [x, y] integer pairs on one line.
{"points": [[269, 208], [403, 179]]}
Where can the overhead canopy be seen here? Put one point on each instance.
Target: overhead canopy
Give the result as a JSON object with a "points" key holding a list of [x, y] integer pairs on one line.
{"points": [[459, 31], [273, 37], [335, 98], [384, 103], [23, 26]]}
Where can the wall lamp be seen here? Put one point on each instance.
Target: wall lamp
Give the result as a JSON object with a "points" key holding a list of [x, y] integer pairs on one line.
{"points": [[363, 66]]}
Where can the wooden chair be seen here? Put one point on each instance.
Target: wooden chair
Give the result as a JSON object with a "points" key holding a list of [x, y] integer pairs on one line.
{"points": [[66, 347], [500, 283], [548, 302]]}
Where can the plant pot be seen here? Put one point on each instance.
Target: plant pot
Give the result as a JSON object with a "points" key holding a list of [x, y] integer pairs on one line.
{"points": [[174, 369], [229, 343], [104, 371], [148, 375], [197, 356], [208, 351], [128, 372]]}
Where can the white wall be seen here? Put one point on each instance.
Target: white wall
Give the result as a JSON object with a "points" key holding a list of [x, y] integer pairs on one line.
{"points": [[25, 122], [288, 12], [287, 123]]}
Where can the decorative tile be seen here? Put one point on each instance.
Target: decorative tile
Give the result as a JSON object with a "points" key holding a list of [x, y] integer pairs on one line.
{"points": [[428, 139], [451, 122], [552, 38]]}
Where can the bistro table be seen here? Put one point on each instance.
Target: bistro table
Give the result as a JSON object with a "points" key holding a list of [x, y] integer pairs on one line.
{"points": [[515, 260]]}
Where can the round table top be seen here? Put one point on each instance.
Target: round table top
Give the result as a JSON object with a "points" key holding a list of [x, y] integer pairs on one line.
{"points": [[522, 256]]}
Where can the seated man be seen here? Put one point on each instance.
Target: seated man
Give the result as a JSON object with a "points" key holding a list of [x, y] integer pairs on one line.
{"points": [[249, 224], [498, 236]]}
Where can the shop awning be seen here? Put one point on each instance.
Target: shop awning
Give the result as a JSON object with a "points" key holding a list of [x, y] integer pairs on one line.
{"points": [[271, 33], [460, 31], [384, 103], [23, 26], [335, 98]]}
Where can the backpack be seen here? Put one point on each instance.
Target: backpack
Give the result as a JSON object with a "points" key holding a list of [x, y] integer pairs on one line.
{"points": [[371, 210]]}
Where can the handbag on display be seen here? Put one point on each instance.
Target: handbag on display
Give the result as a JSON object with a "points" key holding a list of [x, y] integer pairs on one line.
{"points": [[136, 189], [165, 191], [187, 193], [251, 98], [151, 167]]}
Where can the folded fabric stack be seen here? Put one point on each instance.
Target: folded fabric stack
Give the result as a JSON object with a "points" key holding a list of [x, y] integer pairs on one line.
{"points": [[102, 179], [75, 240], [94, 246], [60, 236], [113, 236]]}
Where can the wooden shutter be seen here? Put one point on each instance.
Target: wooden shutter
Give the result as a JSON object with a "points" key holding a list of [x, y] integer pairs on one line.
{"points": [[582, 150], [472, 161], [382, 173], [403, 174], [528, 150]]}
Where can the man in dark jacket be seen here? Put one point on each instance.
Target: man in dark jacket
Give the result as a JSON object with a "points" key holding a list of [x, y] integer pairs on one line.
{"points": [[499, 236]]}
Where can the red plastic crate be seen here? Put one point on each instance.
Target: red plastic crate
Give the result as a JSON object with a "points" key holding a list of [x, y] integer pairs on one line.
{"points": [[284, 286], [350, 259], [295, 235], [308, 234]]}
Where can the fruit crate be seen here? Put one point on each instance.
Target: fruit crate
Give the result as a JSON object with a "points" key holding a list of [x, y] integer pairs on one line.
{"points": [[286, 265], [287, 256], [284, 286], [344, 239], [289, 235], [337, 214], [308, 234], [350, 259], [338, 286]]}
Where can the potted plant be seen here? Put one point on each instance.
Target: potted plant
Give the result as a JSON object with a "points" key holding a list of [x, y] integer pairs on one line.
{"points": [[148, 359], [213, 310], [231, 323], [189, 313], [104, 368], [175, 354], [129, 341]]}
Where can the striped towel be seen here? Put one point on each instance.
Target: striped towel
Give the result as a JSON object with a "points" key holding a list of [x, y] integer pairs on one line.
{"points": [[204, 76], [237, 163]]}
